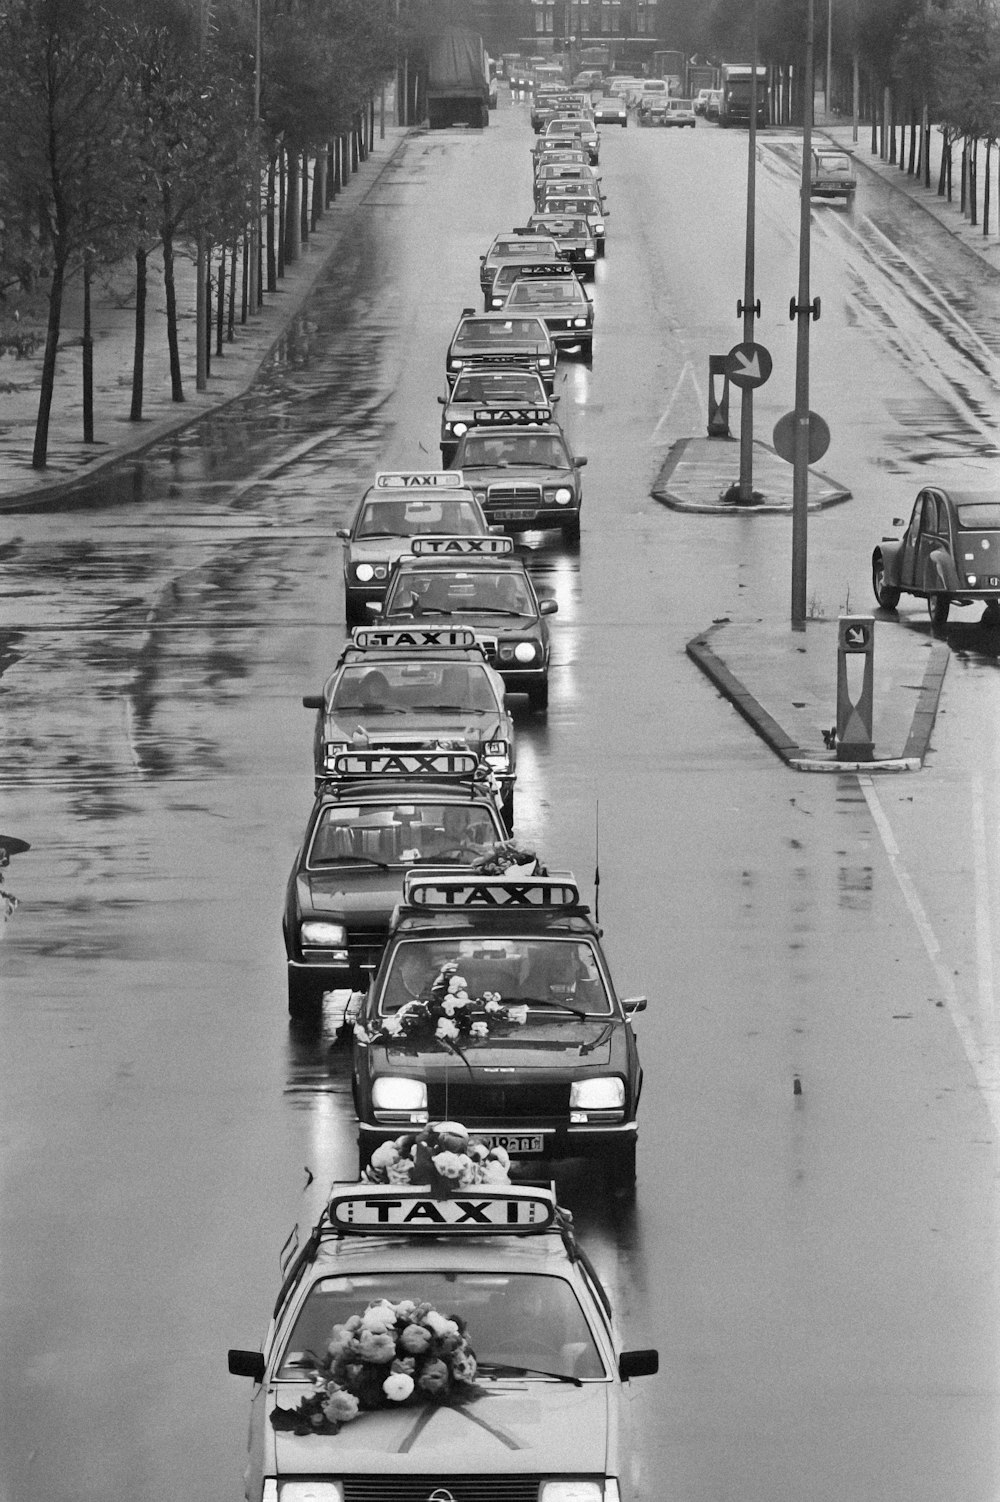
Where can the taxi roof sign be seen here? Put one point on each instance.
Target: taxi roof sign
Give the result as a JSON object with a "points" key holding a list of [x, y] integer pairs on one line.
{"points": [[367, 1209], [437, 764], [393, 637], [416, 479], [490, 891], [468, 546]]}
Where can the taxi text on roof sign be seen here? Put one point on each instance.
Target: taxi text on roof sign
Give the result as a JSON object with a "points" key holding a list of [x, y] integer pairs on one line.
{"points": [[367, 1209], [510, 416], [405, 763], [414, 479], [489, 891], [467, 545], [393, 637]]}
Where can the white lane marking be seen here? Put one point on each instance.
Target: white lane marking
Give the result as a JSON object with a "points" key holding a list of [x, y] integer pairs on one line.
{"points": [[984, 1059], [688, 370], [984, 922]]}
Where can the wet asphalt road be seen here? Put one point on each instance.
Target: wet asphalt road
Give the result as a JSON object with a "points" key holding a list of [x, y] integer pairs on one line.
{"points": [[819, 1271]]}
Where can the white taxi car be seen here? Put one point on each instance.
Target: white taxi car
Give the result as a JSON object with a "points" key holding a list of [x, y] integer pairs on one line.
{"points": [[367, 1384]]}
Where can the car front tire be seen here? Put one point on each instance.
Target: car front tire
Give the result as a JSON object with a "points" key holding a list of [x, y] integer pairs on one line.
{"points": [[886, 594]]}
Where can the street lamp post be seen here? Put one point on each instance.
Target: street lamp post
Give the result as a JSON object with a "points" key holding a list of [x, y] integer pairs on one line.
{"points": [[803, 311], [749, 307]]}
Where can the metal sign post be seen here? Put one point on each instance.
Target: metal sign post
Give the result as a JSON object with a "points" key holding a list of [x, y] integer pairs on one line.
{"points": [[749, 307], [803, 311], [855, 638]]}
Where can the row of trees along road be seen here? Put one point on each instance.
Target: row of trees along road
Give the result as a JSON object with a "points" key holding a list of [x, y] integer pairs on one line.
{"points": [[130, 126], [920, 64]]}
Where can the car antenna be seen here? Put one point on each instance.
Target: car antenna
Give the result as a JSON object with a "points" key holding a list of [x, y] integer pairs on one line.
{"points": [[597, 860]]}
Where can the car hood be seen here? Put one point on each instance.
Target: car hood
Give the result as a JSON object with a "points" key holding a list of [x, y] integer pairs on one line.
{"points": [[489, 474], [551, 1045], [485, 626], [365, 894], [516, 1426], [413, 728], [380, 549]]}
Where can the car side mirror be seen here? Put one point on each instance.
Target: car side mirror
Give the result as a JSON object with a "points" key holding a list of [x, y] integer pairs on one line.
{"points": [[638, 1364], [547, 607], [555, 399], [898, 521], [342, 532], [580, 461], [312, 701], [632, 1004], [442, 401], [247, 1364]]}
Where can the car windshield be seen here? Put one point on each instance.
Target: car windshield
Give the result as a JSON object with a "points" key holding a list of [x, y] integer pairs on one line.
{"points": [[536, 450], [525, 1321], [829, 163], [412, 518], [478, 591], [399, 834], [408, 687], [502, 386], [528, 249], [549, 975], [569, 228], [543, 293], [979, 517], [579, 205], [502, 331]]}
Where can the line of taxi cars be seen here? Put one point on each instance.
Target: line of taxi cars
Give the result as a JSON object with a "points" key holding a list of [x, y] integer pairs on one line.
{"points": [[479, 990]]}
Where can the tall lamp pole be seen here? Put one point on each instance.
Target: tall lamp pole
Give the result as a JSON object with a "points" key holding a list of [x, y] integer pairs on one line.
{"points": [[253, 278], [803, 311], [749, 307]]}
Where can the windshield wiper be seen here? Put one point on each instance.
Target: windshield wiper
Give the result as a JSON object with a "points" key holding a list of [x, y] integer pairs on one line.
{"points": [[525, 1371], [491, 610], [368, 709], [545, 1001], [354, 860], [444, 709]]}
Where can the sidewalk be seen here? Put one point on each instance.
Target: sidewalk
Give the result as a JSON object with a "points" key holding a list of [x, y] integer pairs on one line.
{"points": [[70, 460], [784, 682]]}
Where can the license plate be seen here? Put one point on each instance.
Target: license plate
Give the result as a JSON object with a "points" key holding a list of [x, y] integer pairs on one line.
{"points": [[527, 1143], [514, 516]]}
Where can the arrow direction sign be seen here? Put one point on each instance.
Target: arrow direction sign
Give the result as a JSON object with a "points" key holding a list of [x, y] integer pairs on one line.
{"points": [[748, 365], [856, 638]]}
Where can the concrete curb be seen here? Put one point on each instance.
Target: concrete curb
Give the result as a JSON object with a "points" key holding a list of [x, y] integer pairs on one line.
{"points": [[832, 495], [44, 492], [783, 745]]}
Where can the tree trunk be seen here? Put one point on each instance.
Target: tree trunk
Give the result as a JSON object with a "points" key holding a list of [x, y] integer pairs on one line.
{"points": [[139, 347], [170, 290], [319, 190], [231, 320], [39, 454], [973, 181], [281, 213], [88, 353], [986, 189], [220, 305], [331, 186], [245, 290], [911, 169], [272, 264], [304, 202]]}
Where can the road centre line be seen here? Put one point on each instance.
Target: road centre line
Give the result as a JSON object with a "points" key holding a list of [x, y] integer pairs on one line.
{"points": [[983, 1059], [688, 367]]}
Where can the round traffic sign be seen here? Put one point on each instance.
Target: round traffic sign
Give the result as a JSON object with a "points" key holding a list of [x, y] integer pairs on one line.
{"points": [[783, 437], [748, 364]]}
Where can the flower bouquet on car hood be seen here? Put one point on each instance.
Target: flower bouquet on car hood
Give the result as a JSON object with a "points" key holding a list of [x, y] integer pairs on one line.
{"points": [[447, 1012], [443, 1155], [392, 1354]]}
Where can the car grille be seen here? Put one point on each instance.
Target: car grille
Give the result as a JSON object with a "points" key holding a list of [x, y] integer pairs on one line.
{"points": [[389, 1488], [516, 1102], [523, 495]]}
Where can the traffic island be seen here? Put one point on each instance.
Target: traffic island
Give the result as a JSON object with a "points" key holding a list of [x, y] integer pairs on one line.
{"points": [[702, 475], [784, 683]]}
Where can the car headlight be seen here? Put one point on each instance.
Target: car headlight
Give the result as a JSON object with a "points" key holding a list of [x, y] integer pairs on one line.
{"points": [[589, 252], [321, 935], [525, 651], [496, 302], [571, 1491], [303, 1491], [597, 1094], [458, 428], [331, 750], [971, 578], [598, 226], [455, 364], [563, 496], [545, 360], [392, 1092], [364, 572], [480, 495], [579, 323], [497, 754]]}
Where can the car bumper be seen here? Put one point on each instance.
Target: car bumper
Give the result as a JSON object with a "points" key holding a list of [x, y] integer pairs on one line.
{"points": [[521, 680], [362, 595], [355, 971], [522, 1140], [521, 518]]}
